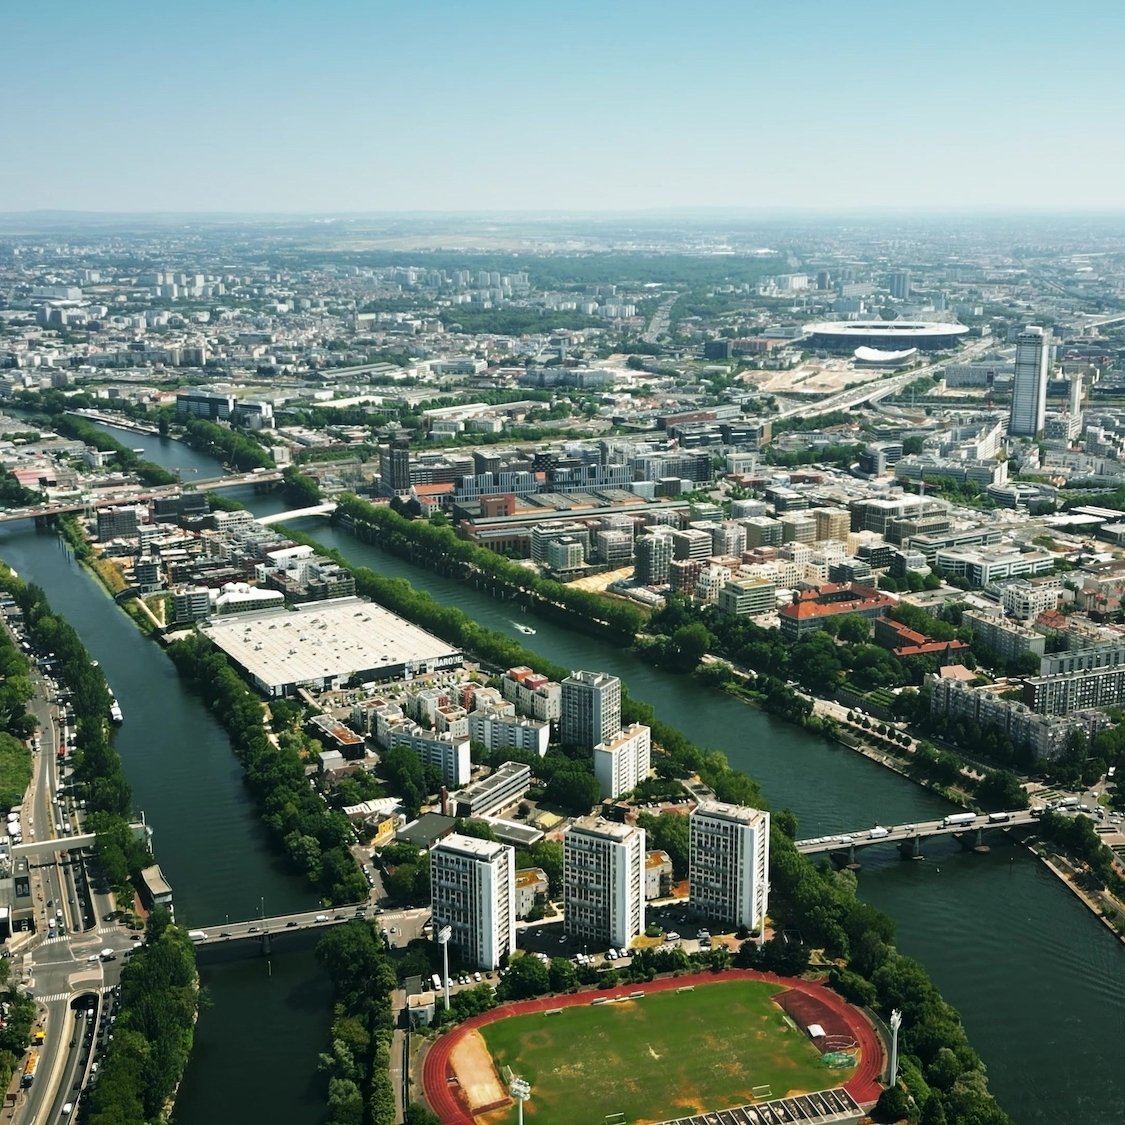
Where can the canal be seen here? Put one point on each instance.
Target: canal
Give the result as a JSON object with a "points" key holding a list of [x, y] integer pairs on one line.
{"points": [[1040, 984]]}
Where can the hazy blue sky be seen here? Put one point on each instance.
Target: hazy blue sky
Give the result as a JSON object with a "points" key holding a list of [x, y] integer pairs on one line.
{"points": [[366, 105]]}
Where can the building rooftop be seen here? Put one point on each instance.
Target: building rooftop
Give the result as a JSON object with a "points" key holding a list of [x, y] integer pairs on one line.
{"points": [[744, 814], [530, 877], [471, 845], [322, 639]]}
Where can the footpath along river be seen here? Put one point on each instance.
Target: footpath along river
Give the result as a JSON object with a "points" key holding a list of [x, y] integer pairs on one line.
{"points": [[1040, 984]]}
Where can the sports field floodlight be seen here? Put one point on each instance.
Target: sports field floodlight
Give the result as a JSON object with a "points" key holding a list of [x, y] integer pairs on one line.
{"points": [[444, 934], [896, 1023], [520, 1089]]}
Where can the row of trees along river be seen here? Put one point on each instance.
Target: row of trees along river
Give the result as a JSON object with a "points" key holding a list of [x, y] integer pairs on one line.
{"points": [[1039, 982]]}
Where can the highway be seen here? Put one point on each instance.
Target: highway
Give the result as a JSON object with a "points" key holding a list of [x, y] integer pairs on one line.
{"points": [[881, 388], [56, 964], [845, 841]]}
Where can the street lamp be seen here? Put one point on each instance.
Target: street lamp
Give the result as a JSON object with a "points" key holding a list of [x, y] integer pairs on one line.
{"points": [[896, 1023], [444, 934], [520, 1089]]}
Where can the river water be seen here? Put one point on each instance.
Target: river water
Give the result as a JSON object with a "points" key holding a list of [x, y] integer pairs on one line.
{"points": [[1040, 985]]}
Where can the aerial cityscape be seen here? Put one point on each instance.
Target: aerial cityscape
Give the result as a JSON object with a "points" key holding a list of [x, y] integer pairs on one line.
{"points": [[594, 595]]}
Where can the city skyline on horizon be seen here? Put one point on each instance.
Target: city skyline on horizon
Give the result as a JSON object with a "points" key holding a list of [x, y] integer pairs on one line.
{"points": [[436, 109]]}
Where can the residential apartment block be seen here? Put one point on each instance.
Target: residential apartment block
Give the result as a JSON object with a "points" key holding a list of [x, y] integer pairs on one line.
{"points": [[604, 882], [728, 863], [473, 886], [622, 762], [591, 709]]}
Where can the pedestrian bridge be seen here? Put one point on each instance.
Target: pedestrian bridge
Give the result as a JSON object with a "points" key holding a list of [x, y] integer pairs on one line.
{"points": [[956, 824], [325, 509]]}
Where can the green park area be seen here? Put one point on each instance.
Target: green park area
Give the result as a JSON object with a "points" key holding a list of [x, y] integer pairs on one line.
{"points": [[666, 1055]]}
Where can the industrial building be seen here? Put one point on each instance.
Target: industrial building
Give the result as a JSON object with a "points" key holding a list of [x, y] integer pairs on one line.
{"points": [[327, 645]]}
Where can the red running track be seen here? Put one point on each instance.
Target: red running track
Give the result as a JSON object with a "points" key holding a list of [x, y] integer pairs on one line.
{"points": [[442, 1092]]}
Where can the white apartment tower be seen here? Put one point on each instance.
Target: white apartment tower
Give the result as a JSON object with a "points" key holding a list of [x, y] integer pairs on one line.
{"points": [[473, 884], [604, 882], [1029, 386], [728, 863], [622, 762], [591, 709]]}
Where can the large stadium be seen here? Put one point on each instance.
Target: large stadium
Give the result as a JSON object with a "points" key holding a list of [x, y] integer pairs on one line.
{"points": [[740, 1045], [885, 335]]}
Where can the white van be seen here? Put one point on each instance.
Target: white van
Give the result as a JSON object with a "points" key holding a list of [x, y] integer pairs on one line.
{"points": [[197, 935]]}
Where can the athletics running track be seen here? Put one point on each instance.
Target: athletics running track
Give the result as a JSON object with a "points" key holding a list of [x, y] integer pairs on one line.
{"points": [[442, 1091]]}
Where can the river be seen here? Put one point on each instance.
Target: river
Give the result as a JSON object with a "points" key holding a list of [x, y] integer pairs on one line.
{"points": [[1040, 984], [208, 840]]}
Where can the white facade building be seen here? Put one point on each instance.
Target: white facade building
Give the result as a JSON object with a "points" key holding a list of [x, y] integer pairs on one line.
{"points": [[623, 762], [728, 863], [473, 885], [604, 882], [1029, 385]]}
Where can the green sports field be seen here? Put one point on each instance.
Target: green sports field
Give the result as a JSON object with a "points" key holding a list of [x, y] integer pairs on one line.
{"points": [[667, 1055]]}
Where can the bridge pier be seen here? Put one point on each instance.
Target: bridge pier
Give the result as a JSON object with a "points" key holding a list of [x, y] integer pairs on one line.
{"points": [[266, 945], [911, 848]]}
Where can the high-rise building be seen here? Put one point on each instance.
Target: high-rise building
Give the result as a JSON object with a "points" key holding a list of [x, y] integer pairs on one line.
{"points": [[654, 555], [604, 882], [473, 886], [1029, 384], [591, 709], [900, 285], [394, 467], [728, 863], [622, 762]]}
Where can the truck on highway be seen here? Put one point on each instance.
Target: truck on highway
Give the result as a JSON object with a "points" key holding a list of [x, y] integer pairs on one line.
{"points": [[959, 818], [29, 1069], [878, 832], [998, 817], [195, 935]]}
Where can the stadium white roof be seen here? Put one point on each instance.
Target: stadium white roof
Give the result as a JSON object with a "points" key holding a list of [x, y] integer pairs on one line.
{"points": [[888, 329], [877, 355]]}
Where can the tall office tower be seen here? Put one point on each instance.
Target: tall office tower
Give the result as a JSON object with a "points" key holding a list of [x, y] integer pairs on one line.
{"points": [[729, 862], [1029, 386], [604, 882], [591, 709], [394, 467], [1074, 398], [473, 885], [900, 285]]}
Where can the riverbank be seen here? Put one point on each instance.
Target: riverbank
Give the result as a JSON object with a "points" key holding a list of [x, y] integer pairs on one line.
{"points": [[1069, 879]]}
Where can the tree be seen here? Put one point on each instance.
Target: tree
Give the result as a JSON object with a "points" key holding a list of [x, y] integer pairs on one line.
{"points": [[563, 975], [854, 629], [527, 976], [669, 832]]}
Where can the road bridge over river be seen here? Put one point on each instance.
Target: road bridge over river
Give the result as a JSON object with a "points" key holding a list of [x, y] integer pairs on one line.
{"points": [[126, 495], [957, 824]]}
